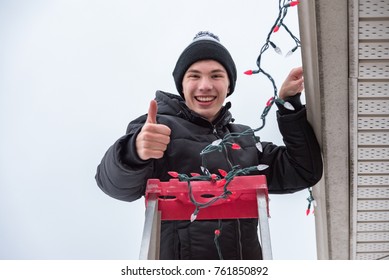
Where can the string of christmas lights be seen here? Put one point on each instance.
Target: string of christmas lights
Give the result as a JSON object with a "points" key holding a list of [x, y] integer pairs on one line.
{"points": [[311, 201], [217, 234], [219, 145]]}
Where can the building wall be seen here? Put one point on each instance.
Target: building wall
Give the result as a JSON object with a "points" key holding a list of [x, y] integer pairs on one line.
{"points": [[345, 52]]}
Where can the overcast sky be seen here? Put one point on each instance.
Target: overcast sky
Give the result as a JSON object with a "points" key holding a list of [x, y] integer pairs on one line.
{"points": [[74, 73]]}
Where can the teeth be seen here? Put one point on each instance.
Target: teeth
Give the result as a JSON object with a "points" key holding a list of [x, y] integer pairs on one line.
{"points": [[205, 98]]}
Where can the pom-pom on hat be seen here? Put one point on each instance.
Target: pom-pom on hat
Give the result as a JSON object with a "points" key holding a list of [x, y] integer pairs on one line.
{"points": [[205, 45]]}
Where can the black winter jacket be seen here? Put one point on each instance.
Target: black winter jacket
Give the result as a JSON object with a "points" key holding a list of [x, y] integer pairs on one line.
{"points": [[293, 167]]}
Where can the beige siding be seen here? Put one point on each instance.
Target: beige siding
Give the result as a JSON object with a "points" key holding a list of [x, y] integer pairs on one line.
{"points": [[372, 129]]}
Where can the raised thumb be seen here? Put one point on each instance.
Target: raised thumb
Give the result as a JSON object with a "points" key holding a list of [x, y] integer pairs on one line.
{"points": [[152, 114]]}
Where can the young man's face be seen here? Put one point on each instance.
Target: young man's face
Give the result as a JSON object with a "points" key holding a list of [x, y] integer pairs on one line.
{"points": [[205, 87]]}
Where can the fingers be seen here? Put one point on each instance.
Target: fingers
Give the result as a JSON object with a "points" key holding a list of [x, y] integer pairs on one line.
{"points": [[158, 134], [149, 148], [300, 87], [152, 114], [296, 73], [293, 84], [151, 143], [153, 139]]}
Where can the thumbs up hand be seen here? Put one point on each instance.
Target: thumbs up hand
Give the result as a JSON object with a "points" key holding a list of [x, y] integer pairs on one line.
{"points": [[153, 139]]}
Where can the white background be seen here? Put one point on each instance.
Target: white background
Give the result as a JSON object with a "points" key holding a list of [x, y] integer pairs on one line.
{"points": [[74, 73]]}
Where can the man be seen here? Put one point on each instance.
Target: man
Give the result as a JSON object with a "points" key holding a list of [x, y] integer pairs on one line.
{"points": [[178, 127]]}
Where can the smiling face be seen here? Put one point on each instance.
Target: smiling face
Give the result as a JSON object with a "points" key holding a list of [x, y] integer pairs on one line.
{"points": [[205, 87]]}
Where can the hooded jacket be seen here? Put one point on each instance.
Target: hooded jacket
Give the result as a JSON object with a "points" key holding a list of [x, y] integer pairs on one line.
{"points": [[293, 167]]}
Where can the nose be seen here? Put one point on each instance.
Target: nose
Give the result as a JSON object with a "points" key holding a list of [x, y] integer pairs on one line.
{"points": [[205, 84]]}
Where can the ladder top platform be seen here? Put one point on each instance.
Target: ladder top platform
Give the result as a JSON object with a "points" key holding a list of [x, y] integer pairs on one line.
{"points": [[174, 202]]}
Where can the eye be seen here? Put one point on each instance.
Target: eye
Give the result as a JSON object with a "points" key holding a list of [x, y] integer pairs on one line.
{"points": [[218, 76], [192, 76]]}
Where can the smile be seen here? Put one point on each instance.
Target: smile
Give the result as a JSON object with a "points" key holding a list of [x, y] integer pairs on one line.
{"points": [[205, 98]]}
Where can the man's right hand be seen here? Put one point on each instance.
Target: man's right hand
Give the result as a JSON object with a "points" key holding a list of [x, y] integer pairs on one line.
{"points": [[153, 139]]}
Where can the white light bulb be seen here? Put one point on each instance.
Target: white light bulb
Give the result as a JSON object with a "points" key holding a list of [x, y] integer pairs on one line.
{"points": [[259, 146], [288, 106], [261, 167]]}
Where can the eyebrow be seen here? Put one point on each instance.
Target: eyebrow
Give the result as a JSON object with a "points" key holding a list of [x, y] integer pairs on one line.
{"points": [[213, 71]]}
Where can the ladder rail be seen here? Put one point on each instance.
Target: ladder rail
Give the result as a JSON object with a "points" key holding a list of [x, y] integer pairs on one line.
{"points": [[149, 249], [264, 229]]}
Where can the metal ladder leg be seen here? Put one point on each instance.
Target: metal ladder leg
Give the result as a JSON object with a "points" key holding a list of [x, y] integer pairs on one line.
{"points": [[149, 249], [264, 229]]}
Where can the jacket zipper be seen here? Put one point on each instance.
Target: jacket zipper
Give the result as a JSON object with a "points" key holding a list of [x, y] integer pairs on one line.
{"points": [[215, 131], [238, 221], [240, 241]]}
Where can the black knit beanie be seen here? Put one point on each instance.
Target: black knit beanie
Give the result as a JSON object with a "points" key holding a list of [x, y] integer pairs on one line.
{"points": [[205, 46]]}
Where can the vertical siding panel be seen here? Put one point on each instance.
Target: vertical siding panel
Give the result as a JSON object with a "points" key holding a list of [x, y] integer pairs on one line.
{"points": [[372, 118]]}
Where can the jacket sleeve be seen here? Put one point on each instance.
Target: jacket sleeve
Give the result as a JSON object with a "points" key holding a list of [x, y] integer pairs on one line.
{"points": [[298, 164], [121, 173]]}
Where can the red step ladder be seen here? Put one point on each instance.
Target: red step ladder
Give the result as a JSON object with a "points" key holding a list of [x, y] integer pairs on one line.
{"points": [[170, 201]]}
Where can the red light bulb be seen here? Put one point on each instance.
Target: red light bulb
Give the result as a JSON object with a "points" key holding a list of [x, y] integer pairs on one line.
{"points": [[173, 174], [221, 183], [223, 172], [235, 146], [269, 102]]}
